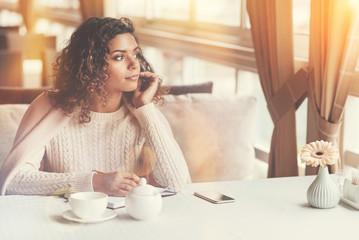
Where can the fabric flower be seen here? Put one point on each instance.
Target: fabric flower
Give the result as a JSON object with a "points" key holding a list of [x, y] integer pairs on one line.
{"points": [[319, 153]]}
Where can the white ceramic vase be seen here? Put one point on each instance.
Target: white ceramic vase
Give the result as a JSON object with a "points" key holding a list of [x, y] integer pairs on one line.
{"points": [[323, 192]]}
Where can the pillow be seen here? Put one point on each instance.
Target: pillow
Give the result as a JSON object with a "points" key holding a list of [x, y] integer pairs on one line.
{"points": [[205, 87], [215, 133], [10, 117]]}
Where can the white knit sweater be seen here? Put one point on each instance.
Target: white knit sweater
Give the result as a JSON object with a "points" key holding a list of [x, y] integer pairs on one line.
{"points": [[109, 142]]}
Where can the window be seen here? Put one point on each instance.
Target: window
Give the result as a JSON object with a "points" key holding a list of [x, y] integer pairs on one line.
{"points": [[57, 18], [50, 17], [301, 18], [225, 12], [63, 4], [9, 15], [191, 17], [10, 18], [351, 131], [301, 22], [171, 10], [249, 83], [134, 8], [350, 124]]}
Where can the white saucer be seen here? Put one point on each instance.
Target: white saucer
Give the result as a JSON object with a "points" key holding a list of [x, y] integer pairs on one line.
{"points": [[108, 214], [349, 202]]}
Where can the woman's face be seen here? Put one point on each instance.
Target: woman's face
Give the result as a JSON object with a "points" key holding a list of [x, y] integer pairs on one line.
{"points": [[124, 65]]}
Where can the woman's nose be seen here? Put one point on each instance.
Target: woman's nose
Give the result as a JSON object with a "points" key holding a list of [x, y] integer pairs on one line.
{"points": [[133, 63]]}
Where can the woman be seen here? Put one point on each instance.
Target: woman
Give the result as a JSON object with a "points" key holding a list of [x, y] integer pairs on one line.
{"points": [[98, 129]]}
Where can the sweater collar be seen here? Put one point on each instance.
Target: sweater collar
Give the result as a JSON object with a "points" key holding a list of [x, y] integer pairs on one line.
{"points": [[118, 114]]}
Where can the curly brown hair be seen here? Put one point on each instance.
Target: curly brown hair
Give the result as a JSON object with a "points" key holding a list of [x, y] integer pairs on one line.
{"points": [[81, 67]]}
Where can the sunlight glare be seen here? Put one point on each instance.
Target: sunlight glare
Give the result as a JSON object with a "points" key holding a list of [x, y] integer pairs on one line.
{"points": [[354, 4], [42, 25], [32, 69]]}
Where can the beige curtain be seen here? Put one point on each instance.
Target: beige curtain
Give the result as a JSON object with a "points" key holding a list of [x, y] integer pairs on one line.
{"points": [[333, 55], [26, 8], [92, 8], [271, 26]]}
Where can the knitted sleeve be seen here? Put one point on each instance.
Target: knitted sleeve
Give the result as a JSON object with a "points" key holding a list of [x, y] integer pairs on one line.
{"points": [[170, 168], [30, 180]]}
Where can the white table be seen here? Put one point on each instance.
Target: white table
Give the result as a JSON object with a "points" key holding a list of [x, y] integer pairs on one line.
{"points": [[264, 209]]}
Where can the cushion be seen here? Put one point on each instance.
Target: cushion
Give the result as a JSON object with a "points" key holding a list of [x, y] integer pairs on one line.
{"points": [[10, 117], [215, 133], [205, 87]]}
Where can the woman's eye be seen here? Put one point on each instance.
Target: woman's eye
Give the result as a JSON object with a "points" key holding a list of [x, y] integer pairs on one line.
{"points": [[119, 58], [136, 55]]}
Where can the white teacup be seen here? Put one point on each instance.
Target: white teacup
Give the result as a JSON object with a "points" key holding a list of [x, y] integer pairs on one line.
{"points": [[88, 205]]}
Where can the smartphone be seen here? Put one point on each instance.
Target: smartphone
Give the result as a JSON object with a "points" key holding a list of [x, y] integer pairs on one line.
{"points": [[145, 83], [214, 196]]}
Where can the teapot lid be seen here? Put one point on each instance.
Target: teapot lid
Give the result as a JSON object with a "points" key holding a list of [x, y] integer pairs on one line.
{"points": [[143, 189]]}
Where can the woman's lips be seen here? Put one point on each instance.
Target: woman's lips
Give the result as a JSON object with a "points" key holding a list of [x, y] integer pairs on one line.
{"points": [[132, 78]]}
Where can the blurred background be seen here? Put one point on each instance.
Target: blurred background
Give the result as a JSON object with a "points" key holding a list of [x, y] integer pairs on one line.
{"points": [[186, 41]]}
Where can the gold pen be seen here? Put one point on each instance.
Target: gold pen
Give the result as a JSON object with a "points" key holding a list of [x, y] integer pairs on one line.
{"points": [[97, 171]]}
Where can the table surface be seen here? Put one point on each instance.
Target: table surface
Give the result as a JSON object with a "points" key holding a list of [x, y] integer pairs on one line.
{"points": [[274, 208]]}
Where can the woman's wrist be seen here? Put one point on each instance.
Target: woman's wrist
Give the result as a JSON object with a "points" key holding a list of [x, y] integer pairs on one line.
{"points": [[140, 103]]}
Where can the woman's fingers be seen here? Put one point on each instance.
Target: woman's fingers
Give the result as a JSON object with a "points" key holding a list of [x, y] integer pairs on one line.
{"points": [[115, 184], [148, 79], [129, 182], [145, 90], [130, 176], [123, 189], [126, 187], [147, 75]]}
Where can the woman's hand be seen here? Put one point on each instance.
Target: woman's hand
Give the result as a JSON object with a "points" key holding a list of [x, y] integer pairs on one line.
{"points": [[141, 98], [115, 183]]}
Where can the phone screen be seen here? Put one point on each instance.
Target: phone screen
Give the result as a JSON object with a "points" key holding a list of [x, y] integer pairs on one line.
{"points": [[214, 196]]}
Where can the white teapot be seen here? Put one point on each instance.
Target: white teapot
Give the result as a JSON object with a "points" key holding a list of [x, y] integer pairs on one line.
{"points": [[144, 201]]}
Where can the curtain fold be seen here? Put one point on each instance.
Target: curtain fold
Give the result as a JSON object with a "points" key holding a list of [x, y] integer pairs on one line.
{"points": [[333, 56], [26, 8], [271, 26]]}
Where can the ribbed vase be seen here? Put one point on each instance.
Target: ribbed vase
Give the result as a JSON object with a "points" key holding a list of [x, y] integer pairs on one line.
{"points": [[323, 192]]}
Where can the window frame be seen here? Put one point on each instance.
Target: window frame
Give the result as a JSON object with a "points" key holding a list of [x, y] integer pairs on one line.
{"points": [[66, 16], [9, 6], [230, 46]]}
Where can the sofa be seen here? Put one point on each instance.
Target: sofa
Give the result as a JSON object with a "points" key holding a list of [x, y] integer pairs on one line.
{"points": [[215, 133]]}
